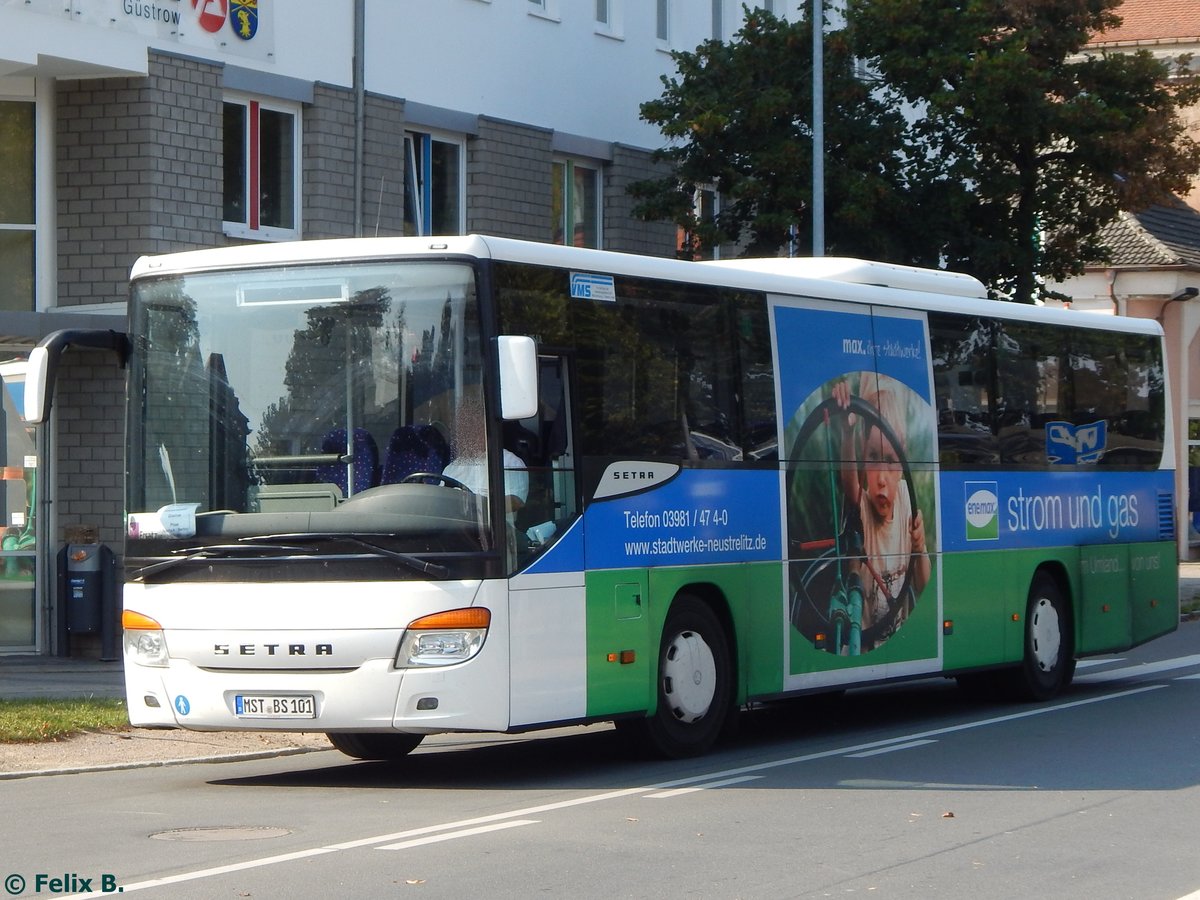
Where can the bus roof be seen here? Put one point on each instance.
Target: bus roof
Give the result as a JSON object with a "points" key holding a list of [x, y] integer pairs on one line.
{"points": [[858, 271], [835, 278]]}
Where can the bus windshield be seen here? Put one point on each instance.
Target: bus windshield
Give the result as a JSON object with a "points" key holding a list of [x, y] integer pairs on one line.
{"points": [[288, 404]]}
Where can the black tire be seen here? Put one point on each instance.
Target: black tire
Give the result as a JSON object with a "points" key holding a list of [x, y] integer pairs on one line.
{"points": [[1049, 663], [372, 746], [693, 711]]}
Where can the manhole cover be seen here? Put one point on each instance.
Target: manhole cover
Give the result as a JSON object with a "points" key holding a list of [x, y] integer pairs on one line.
{"points": [[222, 833]]}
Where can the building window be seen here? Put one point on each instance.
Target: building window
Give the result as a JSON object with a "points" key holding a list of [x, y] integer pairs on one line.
{"points": [[433, 185], [261, 145], [610, 18], [17, 206], [662, 20], [545, 9], [575, 204], [705, 206]]}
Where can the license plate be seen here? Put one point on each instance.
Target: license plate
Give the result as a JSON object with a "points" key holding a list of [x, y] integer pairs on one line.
{"points": [[274, 706]]}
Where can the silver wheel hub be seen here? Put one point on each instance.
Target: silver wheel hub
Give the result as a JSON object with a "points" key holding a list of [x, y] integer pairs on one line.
{"points": [[1045, 633], [689, 677]]}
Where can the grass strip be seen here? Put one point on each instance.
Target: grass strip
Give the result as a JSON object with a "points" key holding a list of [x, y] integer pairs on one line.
{"points": [[52, 720]]}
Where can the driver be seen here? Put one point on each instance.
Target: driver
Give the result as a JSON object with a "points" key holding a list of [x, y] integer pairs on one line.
{"points": [[471, 471], [872, 481], [469, 463]]}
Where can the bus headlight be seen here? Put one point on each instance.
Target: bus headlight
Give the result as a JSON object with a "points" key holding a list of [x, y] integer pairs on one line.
{"points": [[444, 639], [144, 641]]}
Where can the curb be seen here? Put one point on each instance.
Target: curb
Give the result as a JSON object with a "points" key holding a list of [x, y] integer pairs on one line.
{"points": [[158, 763]]}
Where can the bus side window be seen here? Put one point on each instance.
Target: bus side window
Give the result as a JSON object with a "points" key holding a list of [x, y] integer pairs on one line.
{"points": [[964, 383], [1028, 395]]}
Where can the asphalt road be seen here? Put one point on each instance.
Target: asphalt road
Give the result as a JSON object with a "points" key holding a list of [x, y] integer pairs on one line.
{"points": [[907, 791]]}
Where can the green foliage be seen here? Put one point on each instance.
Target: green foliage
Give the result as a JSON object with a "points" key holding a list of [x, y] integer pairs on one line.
{"points": [[1015, 150], [1052, 142], [738, 118], [50, 720]]}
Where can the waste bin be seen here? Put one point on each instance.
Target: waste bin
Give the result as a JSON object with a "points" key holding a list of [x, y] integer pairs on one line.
{"points": [[85, 588]]}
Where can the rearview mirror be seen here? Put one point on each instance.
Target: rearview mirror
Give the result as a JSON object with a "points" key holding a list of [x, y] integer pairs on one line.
{"points": [[518, 376]]}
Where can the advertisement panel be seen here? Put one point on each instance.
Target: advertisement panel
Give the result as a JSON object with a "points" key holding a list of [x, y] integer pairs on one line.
{"points": [[860, 489]]}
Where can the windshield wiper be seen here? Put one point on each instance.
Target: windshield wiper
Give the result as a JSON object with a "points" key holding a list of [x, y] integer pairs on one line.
{"points": [[191, 554], [413, 562]]}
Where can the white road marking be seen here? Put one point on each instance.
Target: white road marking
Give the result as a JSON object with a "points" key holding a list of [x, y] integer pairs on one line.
{"points": [[905, 746], [1166, 665], [706, 778], [453, 835], [1088, 663], [678, 792]]}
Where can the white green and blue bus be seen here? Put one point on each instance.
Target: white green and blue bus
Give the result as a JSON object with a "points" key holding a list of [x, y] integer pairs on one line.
{"points": [[389, 488]]}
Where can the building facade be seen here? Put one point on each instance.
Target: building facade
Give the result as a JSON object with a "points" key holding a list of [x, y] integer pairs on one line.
{"points": [[134, 127]]}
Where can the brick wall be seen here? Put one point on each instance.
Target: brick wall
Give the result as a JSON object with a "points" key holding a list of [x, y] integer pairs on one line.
{"points": [[621, 230], [327, 164], [90, 400], [508, 181], [383, 167], [138, 171]]}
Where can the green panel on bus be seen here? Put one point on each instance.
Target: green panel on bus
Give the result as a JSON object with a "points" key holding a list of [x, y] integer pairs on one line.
{"points": [[620, 650], [761, 646], [1103, 606], [1154, 590], [975, 607]]}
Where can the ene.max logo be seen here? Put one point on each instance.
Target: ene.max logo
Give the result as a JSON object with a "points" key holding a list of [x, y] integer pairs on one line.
{"points": [[982, 508]]}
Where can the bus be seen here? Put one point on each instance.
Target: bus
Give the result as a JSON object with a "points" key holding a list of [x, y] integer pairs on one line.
{"points": [[392, 487]]}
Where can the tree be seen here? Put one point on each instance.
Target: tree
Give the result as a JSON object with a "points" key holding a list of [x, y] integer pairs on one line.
{"points": [[974, 134], [738, 116], [1050, 142]]}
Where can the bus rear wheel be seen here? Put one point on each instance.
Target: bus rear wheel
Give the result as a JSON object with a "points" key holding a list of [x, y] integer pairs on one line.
{"points": [[1049, 663], [694, 684], [372, 746]]}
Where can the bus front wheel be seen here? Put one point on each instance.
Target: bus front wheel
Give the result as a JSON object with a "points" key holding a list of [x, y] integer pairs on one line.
{"points": [[371, 746], [694, 683]]}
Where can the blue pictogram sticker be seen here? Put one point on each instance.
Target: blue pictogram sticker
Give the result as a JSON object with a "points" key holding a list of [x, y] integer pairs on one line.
{"points": [[1069, 445], [182, 706]]}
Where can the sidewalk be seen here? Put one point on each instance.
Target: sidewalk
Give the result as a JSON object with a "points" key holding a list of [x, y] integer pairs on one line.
{"points": [[32, 677]]}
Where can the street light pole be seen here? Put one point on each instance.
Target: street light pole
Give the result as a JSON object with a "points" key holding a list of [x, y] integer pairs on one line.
{"points": [[818, 129]]}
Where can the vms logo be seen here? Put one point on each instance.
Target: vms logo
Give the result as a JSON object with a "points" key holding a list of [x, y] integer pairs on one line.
{"points": [[982, 508]]}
